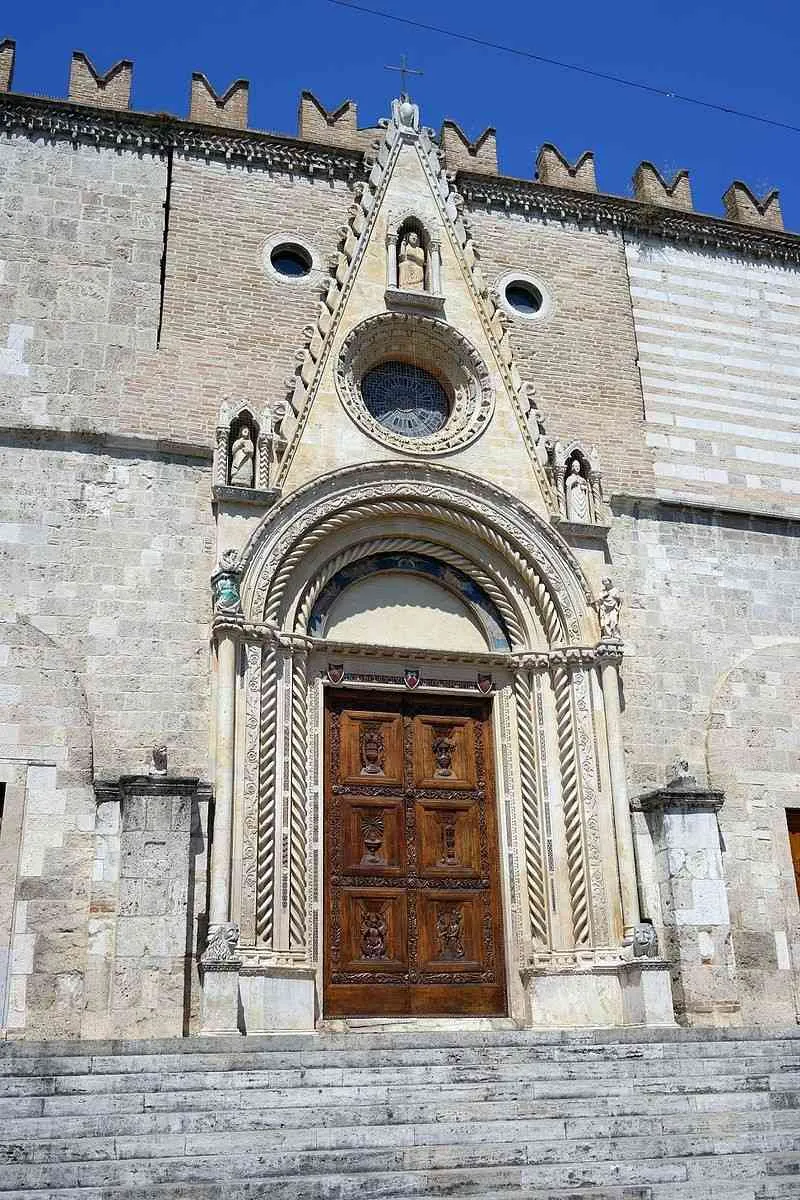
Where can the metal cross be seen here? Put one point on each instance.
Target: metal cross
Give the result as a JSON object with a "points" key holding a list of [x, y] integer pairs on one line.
{"points": [[404, 70]]}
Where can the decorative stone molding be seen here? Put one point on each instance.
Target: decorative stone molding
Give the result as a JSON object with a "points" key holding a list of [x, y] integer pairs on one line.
{"points": [[431, 341], [619, 214], [117, 790], [159, 133], [435, 493]]}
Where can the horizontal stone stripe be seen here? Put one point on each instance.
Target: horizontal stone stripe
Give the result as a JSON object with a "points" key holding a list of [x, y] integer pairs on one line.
{"points": [[729, 360], [707, 382], [666, 394], [670, 326]]}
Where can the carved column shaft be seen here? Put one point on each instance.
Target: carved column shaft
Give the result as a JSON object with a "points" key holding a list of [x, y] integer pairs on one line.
{"points": [[263, 456], [571, 803], [298, 833], [219, 904], [434, 284], [626, 862], [531, 812], [221, 462], [391, 260]]}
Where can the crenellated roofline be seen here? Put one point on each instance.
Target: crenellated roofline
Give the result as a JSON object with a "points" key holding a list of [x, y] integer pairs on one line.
{"points": [[160, 133]]}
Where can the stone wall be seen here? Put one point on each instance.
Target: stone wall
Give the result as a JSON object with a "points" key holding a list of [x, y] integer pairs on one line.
{"points": [[718, 339], [712, 675]]}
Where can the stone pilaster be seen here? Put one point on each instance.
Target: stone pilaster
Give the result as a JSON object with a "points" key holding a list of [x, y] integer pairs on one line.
{"points": [[147, 892], [681, 821]]}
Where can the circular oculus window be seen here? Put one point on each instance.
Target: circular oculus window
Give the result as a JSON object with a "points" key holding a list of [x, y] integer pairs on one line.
{"points": [[405, 399], [523, 296], [290, 260], [414, 383]]}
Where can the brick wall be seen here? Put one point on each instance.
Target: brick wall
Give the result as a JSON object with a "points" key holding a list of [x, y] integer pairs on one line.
{"points": [[582, 356]]}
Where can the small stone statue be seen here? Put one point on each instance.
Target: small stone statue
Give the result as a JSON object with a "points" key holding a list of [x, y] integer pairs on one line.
{"points": [[645, 941], [159, 754], [411, 263], [577, 495], [243, 457], [608, 607], [221, 945], [225, 584], [678, 774]]}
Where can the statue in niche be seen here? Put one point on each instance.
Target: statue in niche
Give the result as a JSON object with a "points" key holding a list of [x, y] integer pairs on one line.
{"points": [[608, 607], [578, 495], [411, 262], [243, 457]]}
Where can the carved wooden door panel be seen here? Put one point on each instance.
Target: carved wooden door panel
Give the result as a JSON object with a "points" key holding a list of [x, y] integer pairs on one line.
{"points": [[413, 920]]}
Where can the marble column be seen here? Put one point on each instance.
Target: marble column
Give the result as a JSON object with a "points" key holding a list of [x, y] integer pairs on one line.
{"points": [[626, 862], [391, 260], [223, 782], [220, 962]]}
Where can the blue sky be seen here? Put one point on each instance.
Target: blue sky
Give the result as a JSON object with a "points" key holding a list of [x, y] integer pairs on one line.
{"points": [[733, 53]]}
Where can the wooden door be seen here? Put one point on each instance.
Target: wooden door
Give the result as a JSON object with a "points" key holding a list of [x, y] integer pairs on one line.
{"points": [[413, 920], [793, 821]]}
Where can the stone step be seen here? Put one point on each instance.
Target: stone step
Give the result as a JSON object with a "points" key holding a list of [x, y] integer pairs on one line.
{"points": [[735, 1110], [607, 1043], [617, 1160], [321, 1054], [600, 1076], [556, 1133]]}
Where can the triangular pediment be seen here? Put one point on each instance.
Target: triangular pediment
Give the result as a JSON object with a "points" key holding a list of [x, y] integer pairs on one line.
{"points": [[434, 313]]}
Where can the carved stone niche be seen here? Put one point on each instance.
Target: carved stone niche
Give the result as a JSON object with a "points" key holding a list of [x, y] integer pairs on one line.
{"points": [[245, 454], [578, 485], [413, 265]]}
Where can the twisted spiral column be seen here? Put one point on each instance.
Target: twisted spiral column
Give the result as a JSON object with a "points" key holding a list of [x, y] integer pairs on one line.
{"points": [[265, 842], [298, 833], [571, 803], [531, 820]]}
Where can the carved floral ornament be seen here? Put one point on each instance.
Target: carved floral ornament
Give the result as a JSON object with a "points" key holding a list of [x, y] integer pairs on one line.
{"points": [[434, 346]]}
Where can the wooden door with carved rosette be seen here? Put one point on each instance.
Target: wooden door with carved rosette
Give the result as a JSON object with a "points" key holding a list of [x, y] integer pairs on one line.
{"points": [[413, 922]]}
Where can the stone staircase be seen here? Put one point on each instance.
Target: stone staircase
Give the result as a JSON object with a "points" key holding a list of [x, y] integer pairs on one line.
{"points": [[499, 1114]]}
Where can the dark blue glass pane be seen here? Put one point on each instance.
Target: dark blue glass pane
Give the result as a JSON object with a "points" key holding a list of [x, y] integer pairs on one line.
{"points": [[289, 262], [524, 297]]}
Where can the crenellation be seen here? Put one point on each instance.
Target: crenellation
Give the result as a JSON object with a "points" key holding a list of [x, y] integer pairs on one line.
{"points": [[742, 205], [88, 86], [229, 108], [8, 49], [651, 187], [461, 154], [332, 127], [553, 168]]}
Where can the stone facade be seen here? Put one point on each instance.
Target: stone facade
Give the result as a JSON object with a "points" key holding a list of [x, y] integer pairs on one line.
{"points": [[147, 313]]}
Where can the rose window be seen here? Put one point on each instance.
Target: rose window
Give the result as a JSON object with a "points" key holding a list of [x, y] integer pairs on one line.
{"points": [[405, 399]]}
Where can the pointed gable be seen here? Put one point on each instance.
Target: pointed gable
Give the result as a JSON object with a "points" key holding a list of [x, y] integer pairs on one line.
{"points": [[406, 287]]}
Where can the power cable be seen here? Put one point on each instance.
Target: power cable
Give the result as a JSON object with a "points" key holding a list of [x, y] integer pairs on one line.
{"points": [[554, 62]]}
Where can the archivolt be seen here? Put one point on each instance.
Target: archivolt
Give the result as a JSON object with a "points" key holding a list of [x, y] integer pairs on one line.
{"points": [[411, 545], [548, 611]]}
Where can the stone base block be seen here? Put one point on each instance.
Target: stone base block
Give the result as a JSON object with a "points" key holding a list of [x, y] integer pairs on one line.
{"points": [[278, 1000], [627, 993], [219, 1006]]}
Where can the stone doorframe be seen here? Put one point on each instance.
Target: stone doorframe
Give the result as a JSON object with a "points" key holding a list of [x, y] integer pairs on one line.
{"points": [[570, 893]]}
